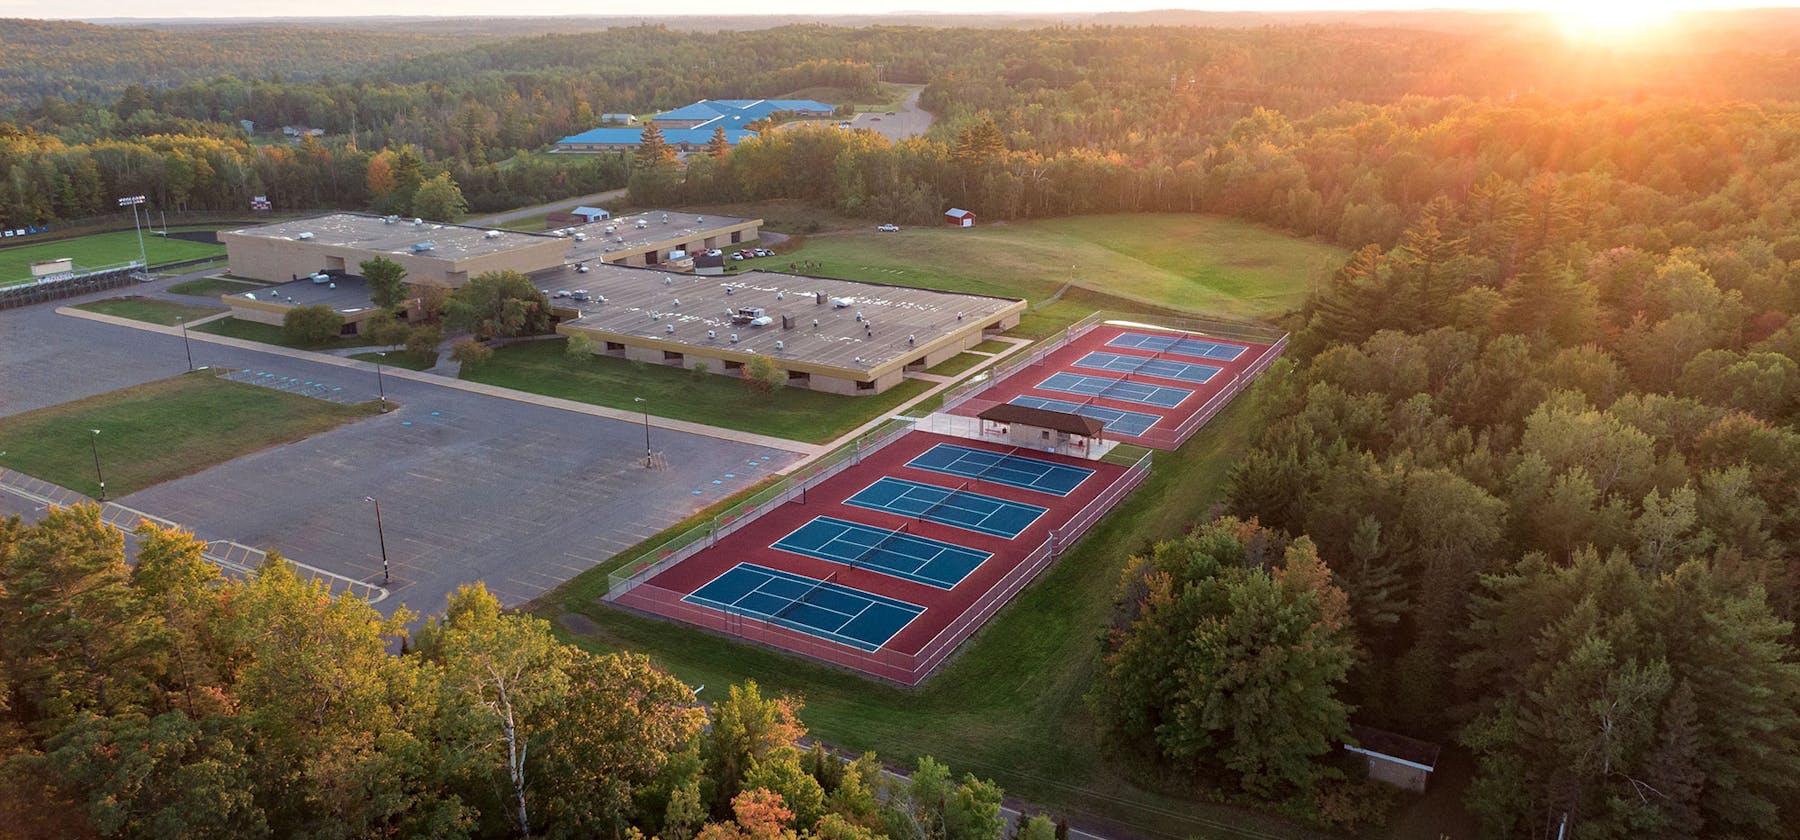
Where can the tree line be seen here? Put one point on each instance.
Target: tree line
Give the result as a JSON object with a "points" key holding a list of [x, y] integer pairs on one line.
{"points": [[160, 699]]}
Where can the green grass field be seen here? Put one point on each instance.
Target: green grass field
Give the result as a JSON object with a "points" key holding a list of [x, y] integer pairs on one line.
{"points": [[100, 249], [1195, 264], [212, 287], [271, 334], [956, 364], [160, 430], [542, 367], [400, 359], [1009, 705], [165, 312]]}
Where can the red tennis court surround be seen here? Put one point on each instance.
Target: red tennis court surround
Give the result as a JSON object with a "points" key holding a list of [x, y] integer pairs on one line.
{"points": [[1137, 356], [949, 617]]}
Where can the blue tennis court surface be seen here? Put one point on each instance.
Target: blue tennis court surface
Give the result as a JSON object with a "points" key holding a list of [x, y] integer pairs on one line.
{"points": [[1000, 468], [1148, 366], [1124, 390], [1116, 421], [896, 553], [957, 508], [862, 620], [1197, 347]]}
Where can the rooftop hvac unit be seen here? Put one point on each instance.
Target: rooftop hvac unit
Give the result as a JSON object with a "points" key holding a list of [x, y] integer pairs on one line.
{"points": [[494, 234], [641, 224], [781, 345], [579, 237], [668, 282], [669, 328], [787, 322], [818, 298], [699, 219], [712, 334], [418, 222], [815, 323], [665, 218], [599, 298], [618, 239], [780, 296], [734, 338], [612, 229], [678, 301], [422, 247], [303, 235], [841, 303], [250, 296], [728, 290]]}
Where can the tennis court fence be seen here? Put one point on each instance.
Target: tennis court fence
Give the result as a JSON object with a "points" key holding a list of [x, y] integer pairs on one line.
{"points": [[707, 534], [971, 393], [892, 665]]}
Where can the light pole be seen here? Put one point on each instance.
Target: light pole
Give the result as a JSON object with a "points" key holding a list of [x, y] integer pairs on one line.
{"points": [[94, 445], [380, 387], [186, 345], [646, 405], [133, 201], [381, 535]]}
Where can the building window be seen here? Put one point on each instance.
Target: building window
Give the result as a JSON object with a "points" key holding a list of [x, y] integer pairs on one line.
{"points": [[737, 236], [731, 365], [615, 347], [672, 357], [865, 385]]}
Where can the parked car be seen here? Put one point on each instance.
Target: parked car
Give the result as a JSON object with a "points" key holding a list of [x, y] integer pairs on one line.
{"points": [[888, 228], [738, 256], [715, 253], [890, 113], [763, 252]]}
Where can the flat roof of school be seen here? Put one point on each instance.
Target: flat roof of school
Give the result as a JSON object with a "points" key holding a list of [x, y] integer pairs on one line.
{"points": [[369, 232], [692, 313]]}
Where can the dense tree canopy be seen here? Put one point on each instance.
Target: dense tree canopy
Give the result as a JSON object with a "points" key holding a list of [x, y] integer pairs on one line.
{"points": [[163, 700]]}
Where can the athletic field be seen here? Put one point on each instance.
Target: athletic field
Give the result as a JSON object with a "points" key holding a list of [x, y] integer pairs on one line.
{"points": [[100, 249]]}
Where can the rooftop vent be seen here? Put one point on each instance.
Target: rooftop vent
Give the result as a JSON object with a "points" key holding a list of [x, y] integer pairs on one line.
{"points": [[303, 235], [669, 329], [734, 338], [330, 285], [418, 222], [250, 295], [422, 247], [712, 334], [781, 345], [494, 234]]}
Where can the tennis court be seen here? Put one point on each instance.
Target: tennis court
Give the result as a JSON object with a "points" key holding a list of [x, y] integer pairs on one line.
{"points": [[1148, 366], [1196, 347], [957, 508], [821, 608], [890, 552], [1001, 468], [1110, 388], [1117, 421]]}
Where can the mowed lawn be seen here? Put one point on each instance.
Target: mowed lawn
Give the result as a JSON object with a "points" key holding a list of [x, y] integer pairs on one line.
{"points": [[100, 249], [1009, 706], [544, 367], [160, 430], [168, 313], [1202, 265]]}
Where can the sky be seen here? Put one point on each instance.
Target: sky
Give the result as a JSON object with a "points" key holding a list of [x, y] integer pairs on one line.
{"points": [[87, 9]]}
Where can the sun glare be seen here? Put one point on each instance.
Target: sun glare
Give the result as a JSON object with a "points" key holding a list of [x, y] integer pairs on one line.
{"points": [[1611, 20]]}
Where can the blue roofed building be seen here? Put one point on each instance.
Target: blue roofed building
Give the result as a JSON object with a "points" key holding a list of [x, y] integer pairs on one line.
{"points": [[685, 140], [736, 113]]}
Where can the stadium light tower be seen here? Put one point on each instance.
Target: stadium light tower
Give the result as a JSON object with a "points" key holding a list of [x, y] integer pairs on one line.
{"points": [[133, 201]]}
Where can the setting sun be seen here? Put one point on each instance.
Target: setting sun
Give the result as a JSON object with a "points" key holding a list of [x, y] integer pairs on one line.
{"points": [[1615, 19]]}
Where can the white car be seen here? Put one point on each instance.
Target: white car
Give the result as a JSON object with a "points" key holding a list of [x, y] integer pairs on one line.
{"points": [[887, 228]]}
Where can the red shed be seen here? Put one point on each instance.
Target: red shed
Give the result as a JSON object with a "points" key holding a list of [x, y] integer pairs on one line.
{"points": [[958, 217]]}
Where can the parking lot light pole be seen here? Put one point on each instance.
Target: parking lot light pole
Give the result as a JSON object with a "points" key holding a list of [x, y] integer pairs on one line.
{"points": [[380, 534], [646, 404], [94, 445], [188, 346], [380, 387]]}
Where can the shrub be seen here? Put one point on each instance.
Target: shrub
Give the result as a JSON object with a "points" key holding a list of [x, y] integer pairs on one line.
{"points": [[469, 351], [311, 324], [423, 339], [580, 346]]}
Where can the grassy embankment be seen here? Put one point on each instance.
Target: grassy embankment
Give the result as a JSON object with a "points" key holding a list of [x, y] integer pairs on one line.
{"points": [[160, 430]]}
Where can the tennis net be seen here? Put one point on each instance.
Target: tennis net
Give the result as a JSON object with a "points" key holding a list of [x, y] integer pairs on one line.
{"points": [[926, 513], [805, 596]]}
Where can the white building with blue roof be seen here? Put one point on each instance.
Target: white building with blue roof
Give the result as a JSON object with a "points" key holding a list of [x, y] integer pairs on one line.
{"points": [[690, 127]]}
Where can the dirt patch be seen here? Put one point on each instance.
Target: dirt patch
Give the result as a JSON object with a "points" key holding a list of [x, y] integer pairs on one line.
{"points": [[578, 624]]}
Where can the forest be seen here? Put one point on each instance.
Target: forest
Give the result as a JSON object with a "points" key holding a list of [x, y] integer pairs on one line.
{"points": [[1524, 486], [162, 700]]}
